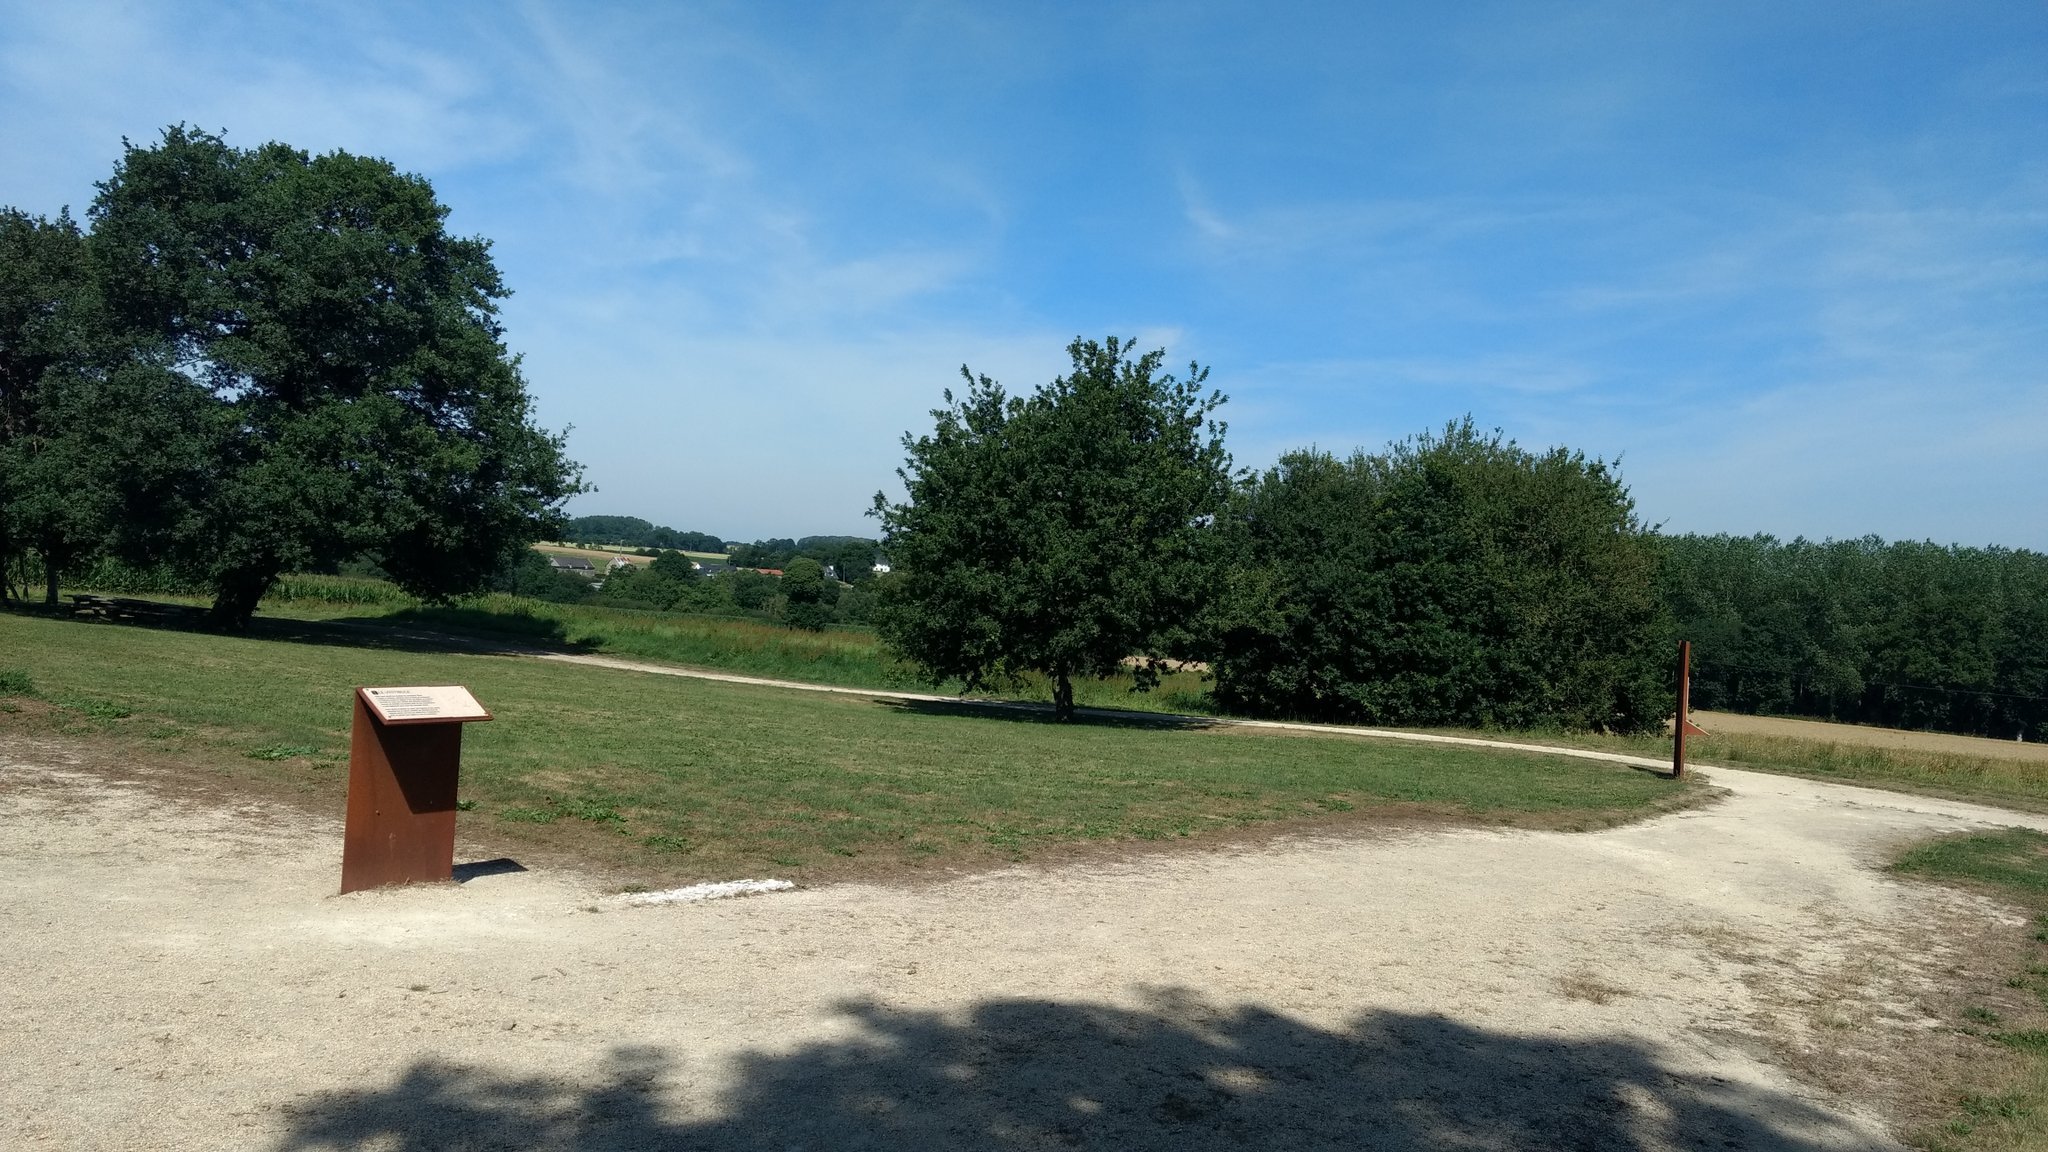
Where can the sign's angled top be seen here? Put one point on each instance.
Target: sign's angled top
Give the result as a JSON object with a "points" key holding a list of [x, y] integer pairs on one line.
{"points": [[417, 705]]}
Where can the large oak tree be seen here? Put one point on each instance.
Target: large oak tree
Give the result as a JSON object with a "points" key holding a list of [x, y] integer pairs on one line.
{"points": [[362, 401]]}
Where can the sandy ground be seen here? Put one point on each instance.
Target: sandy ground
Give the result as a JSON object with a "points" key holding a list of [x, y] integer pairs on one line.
{"points": [[179, 974], [1737, 725]]}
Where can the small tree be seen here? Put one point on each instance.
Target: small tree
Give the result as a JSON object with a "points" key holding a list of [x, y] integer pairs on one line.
{"points": [[808, 595], [674, 567], [1063, 532]]}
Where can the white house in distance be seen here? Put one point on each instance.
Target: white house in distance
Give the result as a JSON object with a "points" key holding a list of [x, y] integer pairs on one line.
{"points": [[881, 568]]}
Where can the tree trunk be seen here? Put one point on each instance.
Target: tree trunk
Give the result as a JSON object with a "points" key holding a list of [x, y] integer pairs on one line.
{"points": [[50, 569], [236, 596], [1062, 696]]}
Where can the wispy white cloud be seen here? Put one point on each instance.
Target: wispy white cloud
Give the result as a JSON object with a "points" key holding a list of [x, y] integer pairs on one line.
{"points": [[1798, 298]]}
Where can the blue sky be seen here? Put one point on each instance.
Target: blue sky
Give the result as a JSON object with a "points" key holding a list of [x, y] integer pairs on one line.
{"points": [[1790, 261]]}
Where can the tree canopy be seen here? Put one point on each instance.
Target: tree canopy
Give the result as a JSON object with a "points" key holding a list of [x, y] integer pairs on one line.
{"points": [[808, 596], [290, 363], [1903, 634], [637, 533], [45, 317], [1061, 532], [1452, 580]]}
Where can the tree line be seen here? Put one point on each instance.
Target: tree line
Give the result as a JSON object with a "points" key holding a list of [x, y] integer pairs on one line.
{"points": [[802, 596], [1454, 578], [256, 361], [850, 559], [1903, 634], [633, 532]]}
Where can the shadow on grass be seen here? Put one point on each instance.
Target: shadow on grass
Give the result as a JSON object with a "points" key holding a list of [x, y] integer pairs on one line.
{"points": [[462, 630], [1176, 1074], [1030, 712]]}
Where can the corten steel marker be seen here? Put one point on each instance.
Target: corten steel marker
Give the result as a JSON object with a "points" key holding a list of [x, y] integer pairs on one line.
{"points": [[404, 754], [1682, 725]]}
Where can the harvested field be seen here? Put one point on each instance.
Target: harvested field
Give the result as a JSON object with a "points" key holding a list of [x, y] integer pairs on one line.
{"points": [[1820, 731]]}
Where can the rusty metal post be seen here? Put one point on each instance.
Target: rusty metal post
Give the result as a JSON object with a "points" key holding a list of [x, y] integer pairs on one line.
{"points": [[1681, 724], [1683, 720], [401, 800]]}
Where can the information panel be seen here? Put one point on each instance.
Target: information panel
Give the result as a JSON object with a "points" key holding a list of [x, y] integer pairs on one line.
{"points": [[442, 702]]}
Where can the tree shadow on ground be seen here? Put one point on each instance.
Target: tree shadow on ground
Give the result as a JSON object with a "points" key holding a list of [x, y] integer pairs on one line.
{"points": [[1024, 1074], [380, 633], [1033, 712]]}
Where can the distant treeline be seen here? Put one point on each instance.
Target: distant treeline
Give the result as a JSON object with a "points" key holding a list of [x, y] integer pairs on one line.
{"points": [[851, 558], [634, 532], [1902, 634], [802, 596]]}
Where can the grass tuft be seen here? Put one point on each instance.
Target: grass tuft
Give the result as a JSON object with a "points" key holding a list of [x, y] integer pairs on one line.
{"points": [[283, 752], [2013, 859], [16, 682]]}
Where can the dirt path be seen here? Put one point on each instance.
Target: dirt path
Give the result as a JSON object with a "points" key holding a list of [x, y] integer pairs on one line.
{"points": [[179, 975]]}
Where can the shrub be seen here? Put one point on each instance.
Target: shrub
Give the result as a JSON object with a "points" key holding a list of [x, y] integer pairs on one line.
{"points": [[1454, 580]]}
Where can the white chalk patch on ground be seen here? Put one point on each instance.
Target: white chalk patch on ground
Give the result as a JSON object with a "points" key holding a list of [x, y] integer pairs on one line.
{"points": [[698, 893]]}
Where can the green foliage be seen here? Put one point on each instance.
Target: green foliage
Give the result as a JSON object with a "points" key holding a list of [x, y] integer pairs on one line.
{"points": [[1061, 532], [673, 566], [633, 532], [338, 590], [47, 333], [2013, 859], [529, 574], [1906, 635], [851, 558], [749, 590], [808, 596], [343, 388], [98, 709], [283, 752], [109, 574], [16, 682], [1455, 580]]}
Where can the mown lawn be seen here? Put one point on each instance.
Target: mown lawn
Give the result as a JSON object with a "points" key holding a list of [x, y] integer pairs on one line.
{"points": [[855, 657], [675, 778]]}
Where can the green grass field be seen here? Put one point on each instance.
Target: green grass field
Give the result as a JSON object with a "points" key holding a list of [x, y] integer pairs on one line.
{"points": [[856, 657], [674, 779]]}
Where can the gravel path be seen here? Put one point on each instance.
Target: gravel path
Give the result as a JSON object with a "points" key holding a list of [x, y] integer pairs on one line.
{"points": [[180, 975]]}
